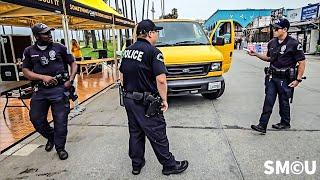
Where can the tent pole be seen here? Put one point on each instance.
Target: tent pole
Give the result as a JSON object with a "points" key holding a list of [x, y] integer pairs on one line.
{"points": [[119, 40], [77, 109], [66, 32], [65, 26], [114, 51]]}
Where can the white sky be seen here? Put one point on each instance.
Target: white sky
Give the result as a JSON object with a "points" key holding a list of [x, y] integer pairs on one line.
{"points": [[199, 9], [203, 9]]}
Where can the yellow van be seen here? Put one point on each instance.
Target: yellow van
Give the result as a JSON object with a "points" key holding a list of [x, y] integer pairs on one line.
{"points": [[196, 63]]}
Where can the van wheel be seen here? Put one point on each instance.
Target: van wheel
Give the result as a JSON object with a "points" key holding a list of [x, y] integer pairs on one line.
{"points": [[215, 95]]}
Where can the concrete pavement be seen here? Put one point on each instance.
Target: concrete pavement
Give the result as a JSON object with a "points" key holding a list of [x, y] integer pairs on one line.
{"points": [[213, 135]]}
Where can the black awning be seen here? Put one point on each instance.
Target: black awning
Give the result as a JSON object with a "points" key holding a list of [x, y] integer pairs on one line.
{"points": [[47, 5], [121, 21], [82, 11]]}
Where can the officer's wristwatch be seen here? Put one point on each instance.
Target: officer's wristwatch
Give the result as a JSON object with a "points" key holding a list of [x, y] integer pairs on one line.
{"points": [[71, 81], [299, 80]]}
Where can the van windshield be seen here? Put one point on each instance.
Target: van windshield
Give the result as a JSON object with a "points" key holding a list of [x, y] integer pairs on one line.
{"points": [[181, 34]]}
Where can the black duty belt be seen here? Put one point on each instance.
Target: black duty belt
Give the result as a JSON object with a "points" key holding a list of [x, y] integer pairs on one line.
{"points": [[136, 95], [278, 72]]}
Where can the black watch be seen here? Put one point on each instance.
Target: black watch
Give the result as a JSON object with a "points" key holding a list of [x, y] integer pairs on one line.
{"points": [[299, 80], [71, 81]]}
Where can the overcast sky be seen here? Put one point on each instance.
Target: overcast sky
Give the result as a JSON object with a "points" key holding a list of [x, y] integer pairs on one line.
{"points": [[200, 9], [203, 9]]}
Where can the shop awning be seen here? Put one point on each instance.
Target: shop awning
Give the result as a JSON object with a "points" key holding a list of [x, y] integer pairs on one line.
{"points": [[82, 14], [303, 23]]}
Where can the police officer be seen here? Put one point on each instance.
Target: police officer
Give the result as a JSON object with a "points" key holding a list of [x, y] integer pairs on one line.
{"points": [[284, 54], [143, 72], [43, 62]]}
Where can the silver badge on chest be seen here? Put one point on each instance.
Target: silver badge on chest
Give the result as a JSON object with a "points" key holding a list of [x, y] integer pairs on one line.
{"points": [[283, 49], [52, 55]]}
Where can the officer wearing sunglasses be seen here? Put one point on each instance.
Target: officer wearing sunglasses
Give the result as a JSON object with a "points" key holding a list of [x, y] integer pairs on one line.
{"points": [[286, 57]]}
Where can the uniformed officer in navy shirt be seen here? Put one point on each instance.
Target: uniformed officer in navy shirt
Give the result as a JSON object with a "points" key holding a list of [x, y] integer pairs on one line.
{"points": [[43, 62], [143, 71], [284, 54]]}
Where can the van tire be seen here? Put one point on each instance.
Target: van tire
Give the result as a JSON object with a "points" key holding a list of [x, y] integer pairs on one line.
{"points": [[215, 95]]}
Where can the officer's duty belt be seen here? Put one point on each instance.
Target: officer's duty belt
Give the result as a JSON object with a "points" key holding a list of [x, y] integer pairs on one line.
{"points": [[278, 72], [136, 95]]}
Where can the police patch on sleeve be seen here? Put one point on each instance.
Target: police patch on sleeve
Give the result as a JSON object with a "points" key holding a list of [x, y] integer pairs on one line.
{"points": [[299, 48], [160, 57]]}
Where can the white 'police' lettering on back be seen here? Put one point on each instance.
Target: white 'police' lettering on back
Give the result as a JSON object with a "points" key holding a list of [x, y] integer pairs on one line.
{"points": [[133, 54]]}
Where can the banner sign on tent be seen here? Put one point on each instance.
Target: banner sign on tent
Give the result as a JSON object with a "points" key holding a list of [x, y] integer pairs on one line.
{"points": [[83, 11], [124, 22], [47, 5]]}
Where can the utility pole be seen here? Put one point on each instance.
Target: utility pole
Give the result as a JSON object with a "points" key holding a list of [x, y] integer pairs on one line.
{"points": [[143, 9], [131, 9], [148, 10], [135, 10], [3, 30], [163, 8], [152, 10]]}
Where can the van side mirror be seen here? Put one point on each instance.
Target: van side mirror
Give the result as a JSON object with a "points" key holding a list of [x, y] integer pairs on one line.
{"points": [[219, 41]]}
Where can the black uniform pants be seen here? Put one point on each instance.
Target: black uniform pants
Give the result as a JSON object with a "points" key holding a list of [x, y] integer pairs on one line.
{"points": [[60, 108], [274, 87], [155, 130]]}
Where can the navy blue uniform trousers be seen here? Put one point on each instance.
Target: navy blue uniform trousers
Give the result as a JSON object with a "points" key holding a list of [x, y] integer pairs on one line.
{"points": [[140, 127], [60, 108], [274, 87]]}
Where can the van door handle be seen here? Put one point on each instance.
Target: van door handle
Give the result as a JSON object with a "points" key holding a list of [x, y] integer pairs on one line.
{"points": [[230, 54]]}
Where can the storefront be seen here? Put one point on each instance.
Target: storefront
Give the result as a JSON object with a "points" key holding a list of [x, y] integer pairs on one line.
{"points": [[305, 26]]}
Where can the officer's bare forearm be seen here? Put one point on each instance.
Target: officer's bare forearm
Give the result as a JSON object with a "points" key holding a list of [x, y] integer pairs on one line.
{"points": [[74, 67], [162, 86], [121, 79], [301, 68], [263, 57], [31, 75]]}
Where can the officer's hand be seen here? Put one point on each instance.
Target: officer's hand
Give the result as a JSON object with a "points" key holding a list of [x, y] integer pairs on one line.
{"points": [[67, 84], [164, 106], [49, 80], [252, 53], [294, 84]]}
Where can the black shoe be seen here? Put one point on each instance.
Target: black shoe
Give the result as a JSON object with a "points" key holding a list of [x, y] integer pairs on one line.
{"points": [[49, 146], [137, 170], [281, 126], [63, 154], [178, 168], [259, 128]]}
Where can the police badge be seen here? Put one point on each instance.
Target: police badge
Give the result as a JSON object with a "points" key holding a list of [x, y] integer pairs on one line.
{"points": [[52, 55], [283, 48]]}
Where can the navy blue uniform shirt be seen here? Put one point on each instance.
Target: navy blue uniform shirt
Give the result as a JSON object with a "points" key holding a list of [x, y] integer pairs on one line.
{"points": [[141, 64], [57, 55], [285, 54]]}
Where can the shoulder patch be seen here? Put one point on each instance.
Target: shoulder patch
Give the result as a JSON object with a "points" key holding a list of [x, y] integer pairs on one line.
{"points": [[160, 57]]}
